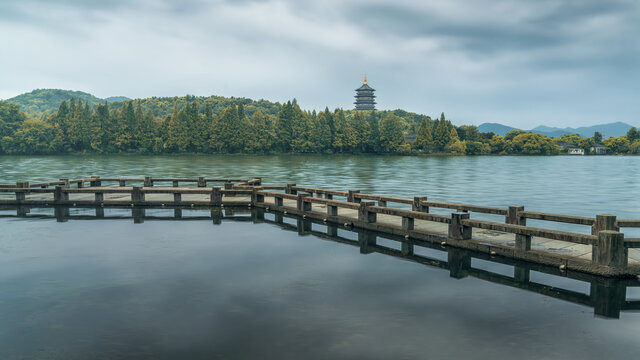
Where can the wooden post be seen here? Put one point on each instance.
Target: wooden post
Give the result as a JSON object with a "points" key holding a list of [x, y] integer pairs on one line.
{"points": [[604, 222], [175, 183], [255, 197], [303, 205], [351, 197], [96, 181], [137, 196], [60, 195], [332, 210], [65, 182], [80, 183], [457, 230], [407, 223], [22, 196], [417, 204], [99, 197], [609, 250], [177, 198], [328, 196], [289, 189], [202, 182], [147, 181], [216, 196], [459, 262], [364, 215], [382, 203], [278, 201], [523, 242], [122, 183], [513, 217]]}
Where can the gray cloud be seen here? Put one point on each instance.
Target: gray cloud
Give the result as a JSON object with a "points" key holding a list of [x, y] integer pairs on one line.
{"points": [[516, 62]]}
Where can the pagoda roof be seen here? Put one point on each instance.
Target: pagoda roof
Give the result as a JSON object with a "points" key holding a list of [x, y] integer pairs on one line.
{"points": [[365, 87]]}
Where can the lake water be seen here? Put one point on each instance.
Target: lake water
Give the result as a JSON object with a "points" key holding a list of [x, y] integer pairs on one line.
{"points": [[116, 289]]}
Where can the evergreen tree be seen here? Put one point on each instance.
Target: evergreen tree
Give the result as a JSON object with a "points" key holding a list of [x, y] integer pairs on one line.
{"points": [[441, 134], [361, 131], [391, 137], [424, 139]]}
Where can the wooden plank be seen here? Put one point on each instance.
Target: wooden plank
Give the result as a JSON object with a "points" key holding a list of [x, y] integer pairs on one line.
{"points": [[628, 223], [531, 231], [580, 220], [394, 199], [463, 207], [411, 214]]}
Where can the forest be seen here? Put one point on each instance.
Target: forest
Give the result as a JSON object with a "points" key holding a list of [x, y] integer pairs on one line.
{"points": [[216, 125]]}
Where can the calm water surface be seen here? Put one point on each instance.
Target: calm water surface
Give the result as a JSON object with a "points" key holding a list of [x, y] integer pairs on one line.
{"points": [[113, 289]]}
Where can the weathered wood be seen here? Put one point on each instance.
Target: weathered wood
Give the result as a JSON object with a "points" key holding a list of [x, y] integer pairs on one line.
{"points": [[514, 216], [628, 223], [290, 189], [95, 181], [60, 195], [457, 228], [463, 207], [407, 223], [177, 197], [412, 214], [147, 181], [201, 182], [364, 214], [175, 183], [303, 205], [579, 220], [65, 182], [609, 249], [137, 196], [532, 231], [216, 196], [351, 196], [99, 197], [604, 222], [332, 210], [418, 204]]}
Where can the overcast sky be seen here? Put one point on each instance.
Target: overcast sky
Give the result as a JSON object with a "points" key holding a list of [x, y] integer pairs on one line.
{"points": [[518, 62]]}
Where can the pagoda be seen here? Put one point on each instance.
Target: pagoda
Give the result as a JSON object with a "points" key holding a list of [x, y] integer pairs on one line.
{"points": [[365, 100]]}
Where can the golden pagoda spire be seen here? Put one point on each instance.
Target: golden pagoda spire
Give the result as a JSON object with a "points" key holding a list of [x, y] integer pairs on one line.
{"points": [[365, 78]]}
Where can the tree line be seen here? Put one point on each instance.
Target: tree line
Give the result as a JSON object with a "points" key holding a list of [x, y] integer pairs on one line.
{"points": [[196, 125]]}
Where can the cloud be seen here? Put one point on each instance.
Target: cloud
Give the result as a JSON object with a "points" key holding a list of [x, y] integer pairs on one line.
{"points": [[506, 61]]}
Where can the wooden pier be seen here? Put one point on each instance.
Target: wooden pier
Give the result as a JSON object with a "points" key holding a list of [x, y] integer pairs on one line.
{"points": [[603, 251]]}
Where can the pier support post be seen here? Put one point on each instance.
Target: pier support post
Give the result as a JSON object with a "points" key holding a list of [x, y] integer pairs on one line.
{"points": [[407, 223], [604, 222], [332, 230], [99, 197], [255, 197], [523, 242], [80, 183], [122, 183], [60, 195], [521, 274], [332, 210], [147, 181], [457, 230], [65, 182], [302, 204], [96, 181], [609, 250], [304, 226], [608, 298], [382, 203], [278, 201], [417, 204], [216, 216], [137, 196], [216, 196], [177, 198], [175, 183], [201, 182], [289, 189], [21, 196], [61, 213], [351, 197], [138, 215], [364, 215], [328, 196]]}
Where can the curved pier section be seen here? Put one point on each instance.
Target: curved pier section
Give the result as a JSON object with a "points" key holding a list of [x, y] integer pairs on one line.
{"points": [[602, 249]]}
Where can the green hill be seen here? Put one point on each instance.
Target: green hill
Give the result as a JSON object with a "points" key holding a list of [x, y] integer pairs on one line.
{"points": [[41, 102]]}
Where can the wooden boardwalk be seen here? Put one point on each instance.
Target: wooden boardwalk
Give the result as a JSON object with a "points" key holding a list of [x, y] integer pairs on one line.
{"points": [[605, 251]]}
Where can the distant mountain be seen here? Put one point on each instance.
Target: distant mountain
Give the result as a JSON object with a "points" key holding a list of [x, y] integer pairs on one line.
{"points": [[44, 101], [495, 128], [607, 130]]}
